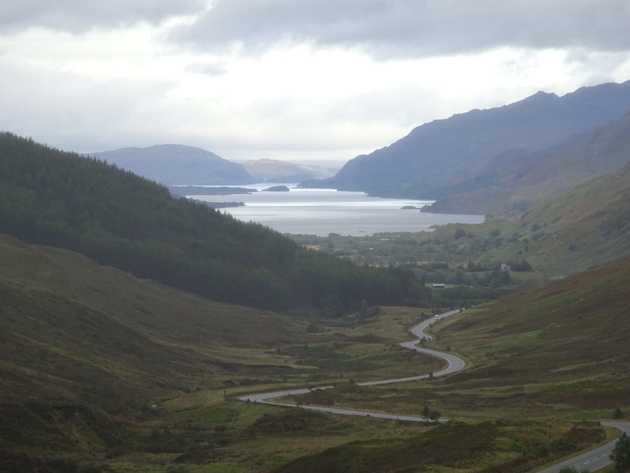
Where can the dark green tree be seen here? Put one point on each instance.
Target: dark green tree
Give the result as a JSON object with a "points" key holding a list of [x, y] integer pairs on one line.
{"points": [[621, 454], [65, 200]]}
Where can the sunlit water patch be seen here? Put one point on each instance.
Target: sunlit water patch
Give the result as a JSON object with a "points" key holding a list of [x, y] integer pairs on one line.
{"points": [[324, 211]]}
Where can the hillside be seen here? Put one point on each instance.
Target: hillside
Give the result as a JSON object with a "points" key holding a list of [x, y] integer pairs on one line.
{"points": [[119, 219], [585, 226], [516, 180], [560, 235], [102, 371], [177, 164], [445, 153], [74, 331], [564, 345]]}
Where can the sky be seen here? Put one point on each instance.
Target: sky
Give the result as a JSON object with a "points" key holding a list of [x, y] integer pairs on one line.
{"points": [[288, 79]]}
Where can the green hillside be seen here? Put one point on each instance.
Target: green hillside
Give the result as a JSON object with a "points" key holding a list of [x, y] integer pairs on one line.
{"points": [[586, 226], [75, 331], [119, 219], [537, 359], [564, 346], [561, 235], [98, 366]]}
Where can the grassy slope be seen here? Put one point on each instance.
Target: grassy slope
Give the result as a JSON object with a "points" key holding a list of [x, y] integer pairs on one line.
{"points": [[537, 360], [583, 227], [563, 345], [587, 225], [85, 351], [489, 447], [74, 330]]}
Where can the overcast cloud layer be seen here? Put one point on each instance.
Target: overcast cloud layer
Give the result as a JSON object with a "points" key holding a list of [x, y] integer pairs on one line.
{"points": [[415, 27], [288, 79], [82, 15]]}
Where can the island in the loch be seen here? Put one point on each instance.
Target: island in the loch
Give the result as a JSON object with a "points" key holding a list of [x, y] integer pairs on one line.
{"points": [[277, 189]]}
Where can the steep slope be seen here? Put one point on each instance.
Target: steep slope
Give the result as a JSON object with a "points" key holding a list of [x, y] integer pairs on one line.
{"points": [[560, 235], [584, 226], [119, 219], [447, 152], [74, 331], [515, 180], [177, 164], [565, 344]]}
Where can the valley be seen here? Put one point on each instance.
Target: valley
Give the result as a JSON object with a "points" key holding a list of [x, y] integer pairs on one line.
{"points": [[454, 302]]}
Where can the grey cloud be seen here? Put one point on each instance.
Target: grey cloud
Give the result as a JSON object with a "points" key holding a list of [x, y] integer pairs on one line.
{"points": [[413, 27], [81, 15]]}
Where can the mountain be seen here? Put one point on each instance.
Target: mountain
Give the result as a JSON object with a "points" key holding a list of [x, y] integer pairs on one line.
{"points": [[517, 179], [119, 219], [271, 170], [559, 235], [445, 153], [587, 225], [177, 164]]}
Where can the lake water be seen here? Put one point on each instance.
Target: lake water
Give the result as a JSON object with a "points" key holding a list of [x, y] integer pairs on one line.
{"points": [[324, 211]]}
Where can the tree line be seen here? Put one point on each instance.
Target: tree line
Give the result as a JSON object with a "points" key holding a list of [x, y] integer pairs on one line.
{"points": [[66, 200]]}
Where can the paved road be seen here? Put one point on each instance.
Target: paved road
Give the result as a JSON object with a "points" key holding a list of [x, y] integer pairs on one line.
{"points": [[453, 365], [592, 460]]}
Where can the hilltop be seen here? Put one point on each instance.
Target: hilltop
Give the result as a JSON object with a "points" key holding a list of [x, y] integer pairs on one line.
{"points": [[445, 153], [177, 164]]}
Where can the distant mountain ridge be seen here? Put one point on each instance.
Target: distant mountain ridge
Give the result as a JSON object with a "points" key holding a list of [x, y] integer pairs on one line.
{"points": [[273, 170], [177, 164], [514, 181], [445, 153]]}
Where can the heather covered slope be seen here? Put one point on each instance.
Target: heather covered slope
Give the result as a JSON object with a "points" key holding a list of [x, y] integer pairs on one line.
{"points": [[587, 225], [583, 227], [566, 343], [119, 219], [445, 153], [74, 331], [560, 235], [177, 164]]}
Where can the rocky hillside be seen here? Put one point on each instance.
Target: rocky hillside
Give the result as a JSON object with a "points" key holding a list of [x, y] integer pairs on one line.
{"points": [[445, 153]]}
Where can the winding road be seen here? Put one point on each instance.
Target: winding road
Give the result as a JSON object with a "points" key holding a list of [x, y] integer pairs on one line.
{"points": [[591, 461], [595, 459], [454, 364]]}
